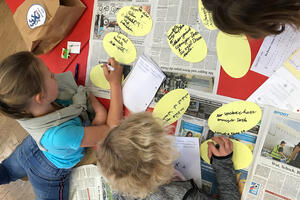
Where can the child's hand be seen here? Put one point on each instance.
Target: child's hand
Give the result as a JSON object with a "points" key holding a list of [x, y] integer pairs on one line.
{"points": [[114, 77], [225, 147]]}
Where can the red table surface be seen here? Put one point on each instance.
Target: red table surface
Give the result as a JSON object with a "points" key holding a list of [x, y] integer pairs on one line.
{"points": [[240, 88]]}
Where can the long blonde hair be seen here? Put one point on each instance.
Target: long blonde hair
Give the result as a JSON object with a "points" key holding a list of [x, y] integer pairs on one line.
{"points": [[20, 79], [137, 156]]}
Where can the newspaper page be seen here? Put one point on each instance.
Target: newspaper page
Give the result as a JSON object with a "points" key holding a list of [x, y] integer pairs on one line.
{"points": [[104, 20], [275, 172], [194, 124], [275, 50], [281, 90], [85, 183], [202, 76]]}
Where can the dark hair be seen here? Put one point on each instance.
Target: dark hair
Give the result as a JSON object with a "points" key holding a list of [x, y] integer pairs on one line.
{"points": [[256, 18], [282, 142], [20, 79], [189, 132]]}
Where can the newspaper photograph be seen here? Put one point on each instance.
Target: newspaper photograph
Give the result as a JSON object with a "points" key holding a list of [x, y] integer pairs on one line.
{"points": [[201, 76], [275, 172], [181, 81], [188, 126]]}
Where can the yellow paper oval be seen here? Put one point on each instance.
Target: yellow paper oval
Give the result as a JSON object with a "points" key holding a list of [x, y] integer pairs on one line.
{"points": [[234, 54], [241, 157], [134, 20], [206, 17], [120, 47], [187, 43], [172, 105], [234, 117], [98, 79]]}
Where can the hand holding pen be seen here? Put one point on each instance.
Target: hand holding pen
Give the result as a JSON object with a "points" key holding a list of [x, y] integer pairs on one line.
{"points": [[113, 76], [110, 68]]}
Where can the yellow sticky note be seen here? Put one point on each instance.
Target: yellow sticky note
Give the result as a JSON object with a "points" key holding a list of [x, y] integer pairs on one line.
{"points": [[206, 17], [120, 47], [241, 157], [172, 105], [98, 79], [234, 117], [187, 43], [134, 20], [234, 54]]}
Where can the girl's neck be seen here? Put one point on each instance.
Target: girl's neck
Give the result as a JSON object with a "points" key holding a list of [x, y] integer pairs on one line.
{"points": [[40, 110]]}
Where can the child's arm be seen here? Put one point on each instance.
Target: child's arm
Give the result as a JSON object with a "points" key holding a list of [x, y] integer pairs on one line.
{"points": [[97, 132], [100, 111], [223, 166], [115, 113]]}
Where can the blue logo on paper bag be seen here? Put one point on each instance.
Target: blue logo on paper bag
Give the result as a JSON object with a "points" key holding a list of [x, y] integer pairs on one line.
{"points": [[36, 16]]}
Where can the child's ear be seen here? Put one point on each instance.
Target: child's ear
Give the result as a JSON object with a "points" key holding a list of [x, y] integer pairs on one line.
{"points": [[38, 98]]}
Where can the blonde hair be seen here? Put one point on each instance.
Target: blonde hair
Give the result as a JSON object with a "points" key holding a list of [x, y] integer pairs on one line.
{"points": [[20, 79], [137, 156]]}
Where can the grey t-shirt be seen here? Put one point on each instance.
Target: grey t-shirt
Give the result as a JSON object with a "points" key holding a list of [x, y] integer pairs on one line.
{"points": [[187, 190]]}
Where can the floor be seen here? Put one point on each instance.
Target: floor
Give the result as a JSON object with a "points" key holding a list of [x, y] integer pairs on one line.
{"points": [[11, 134]]}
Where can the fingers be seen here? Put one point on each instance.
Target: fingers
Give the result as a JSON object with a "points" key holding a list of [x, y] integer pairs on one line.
{"points": [[225, 146], [111, 61], [225, 142], [230, 145], [212, 148], [219, 141], [209, 153], [106, 71]]}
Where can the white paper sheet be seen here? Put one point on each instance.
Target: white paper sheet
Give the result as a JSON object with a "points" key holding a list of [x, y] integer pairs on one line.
{"points": [[189, 161], [294, 60], [141, 85], [281, 90], [275, 50], [74, 47]]}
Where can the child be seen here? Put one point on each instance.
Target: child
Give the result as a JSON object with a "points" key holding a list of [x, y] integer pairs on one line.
{"points": [[256, 18], [136, 159], [53, 112]]}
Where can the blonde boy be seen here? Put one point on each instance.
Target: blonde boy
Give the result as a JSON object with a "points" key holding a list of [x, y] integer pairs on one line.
{"points": [[137, 156]]}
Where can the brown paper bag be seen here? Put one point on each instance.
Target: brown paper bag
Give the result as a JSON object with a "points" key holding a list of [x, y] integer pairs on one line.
{"points": [[44, 23]]}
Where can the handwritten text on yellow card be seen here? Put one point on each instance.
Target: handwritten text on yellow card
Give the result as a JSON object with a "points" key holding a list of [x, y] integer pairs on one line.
{"points": [[234, 117], [172, 105], [206, 17], [187, 43], [134, 20], [241, 157], [120, 47], [234, 54]]}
